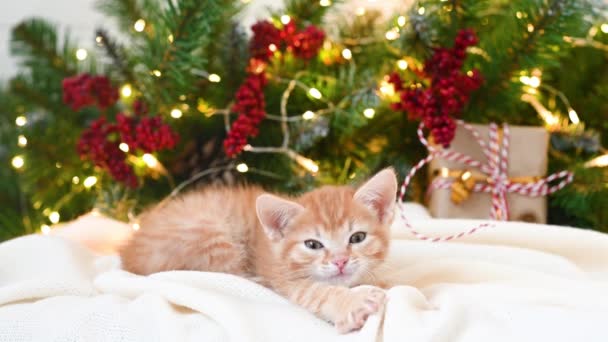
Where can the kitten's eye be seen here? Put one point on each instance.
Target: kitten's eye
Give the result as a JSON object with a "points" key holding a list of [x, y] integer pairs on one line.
{"points": [[313, 244], [357, 237]]}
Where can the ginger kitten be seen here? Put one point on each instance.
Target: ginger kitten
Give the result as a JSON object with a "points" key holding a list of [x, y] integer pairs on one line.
{"points": [[315, 250]]}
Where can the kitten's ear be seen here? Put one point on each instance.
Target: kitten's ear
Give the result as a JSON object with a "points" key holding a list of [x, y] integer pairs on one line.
{"points": [[379, 194], [275, 214]]}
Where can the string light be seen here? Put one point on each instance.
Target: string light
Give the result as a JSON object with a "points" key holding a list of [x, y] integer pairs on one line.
{"points": [[242, 168], [89, 181], [387, 88], [285, 19], [604, 28], [170, 38], [75, 180], [347, 54], [421, 10], [135, 226], [17, 162], [45, 229], [176, 113], [519, 15], [532, 81], [54, 217], [150, 160], [530, 28], [392, 34], [157, 73], [360, 11], [99, 40], [324, 3], [272, 47], [81, 54], [126, 90], [402, 64], [314, 92], [21, 121], [573, 116], [308, 115], [123, 147], [601, 161], [139, 25], [22, 141], [369, 113], [401, 21], [215, 78], [306, 163]]}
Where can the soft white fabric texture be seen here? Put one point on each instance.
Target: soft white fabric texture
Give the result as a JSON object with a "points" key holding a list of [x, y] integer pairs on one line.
{"points": [[515, 282]]}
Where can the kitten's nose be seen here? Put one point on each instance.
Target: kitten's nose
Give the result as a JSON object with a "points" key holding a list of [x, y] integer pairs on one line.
{"points": [[341, 263]]}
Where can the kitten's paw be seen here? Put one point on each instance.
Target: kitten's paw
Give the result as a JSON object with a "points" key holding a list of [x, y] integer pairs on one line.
{"points": [[364, 301]]}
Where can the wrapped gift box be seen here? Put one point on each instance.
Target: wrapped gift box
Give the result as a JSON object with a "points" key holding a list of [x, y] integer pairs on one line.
{"points": [[527, 160]]}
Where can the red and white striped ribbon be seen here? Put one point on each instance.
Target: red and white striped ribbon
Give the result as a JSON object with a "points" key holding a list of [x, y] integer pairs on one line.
{"points": [[496, 168]]}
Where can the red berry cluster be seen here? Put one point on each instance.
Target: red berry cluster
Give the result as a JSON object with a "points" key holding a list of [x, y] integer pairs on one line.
{"points": [[448, 91], [304, 44], [100, 143], [85, 90], [250, 105], [105, 153]]}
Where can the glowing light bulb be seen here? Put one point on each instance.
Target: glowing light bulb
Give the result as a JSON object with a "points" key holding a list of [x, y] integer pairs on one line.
{"points": [[89, 181], [170, 38], [392, 34], [123, 147], [22, 141], [601, 161], [139, 25], [325, 3], [401, 21], [530, 28], [81, 54], [272, 47], [157, 73], [360, 11], [99, 40], [421, 10], [21, 121], [314, 92], [242, 168], [347, 54], [126, 90], [215, 78], [573, 116], [604, 28], [387, 88], [135, 226], [75, 180], [17, 162], [45, 229], [306, 163], [369, 113], [308, 115], [402, 64], [534, 81], [285, 19], [150, 160], [54, 217], [176, 113], [519, 15]]}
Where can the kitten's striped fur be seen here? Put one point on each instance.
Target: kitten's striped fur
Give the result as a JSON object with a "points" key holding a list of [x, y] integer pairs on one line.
{"points": [[246, 232]]}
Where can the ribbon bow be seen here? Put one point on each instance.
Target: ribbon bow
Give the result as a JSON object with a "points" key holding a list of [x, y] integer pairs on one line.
{"points": [[494, 170]]}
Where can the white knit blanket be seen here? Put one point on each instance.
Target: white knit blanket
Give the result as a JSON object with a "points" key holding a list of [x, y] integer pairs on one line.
{"points": [[515, 282]]}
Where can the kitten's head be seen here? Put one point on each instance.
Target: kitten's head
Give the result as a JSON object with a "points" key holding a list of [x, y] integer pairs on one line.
{"points": [[332, 234]]}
